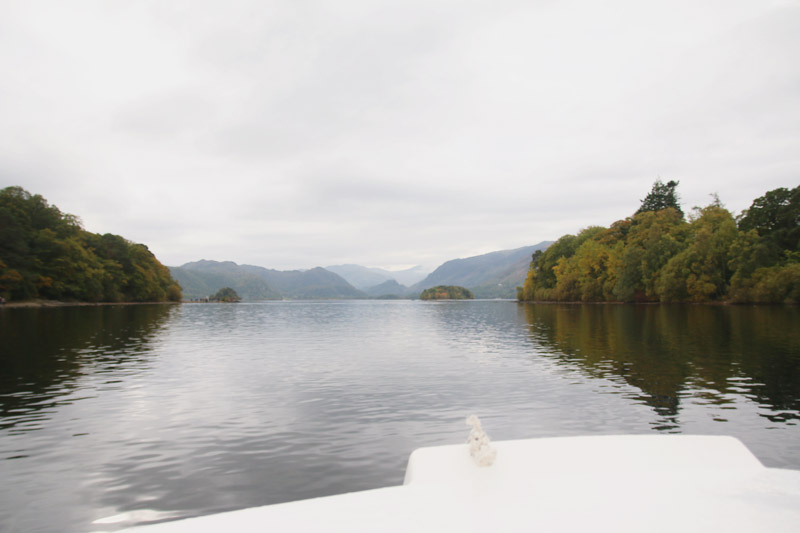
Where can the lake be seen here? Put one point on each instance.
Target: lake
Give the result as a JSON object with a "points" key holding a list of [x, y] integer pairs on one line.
{"points": [[118, 415]]}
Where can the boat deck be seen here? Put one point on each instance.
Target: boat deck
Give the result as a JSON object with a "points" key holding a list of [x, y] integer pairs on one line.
{"points": [[599, 483]]}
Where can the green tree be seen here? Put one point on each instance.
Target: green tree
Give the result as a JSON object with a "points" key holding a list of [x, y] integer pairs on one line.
{"points": [[545, 262], [662, 196], [45, 253], [582, 275], [776, 218], [701, 272], [657, 255], [654, 237], [542, 278], [594, 261], [775, 284]]}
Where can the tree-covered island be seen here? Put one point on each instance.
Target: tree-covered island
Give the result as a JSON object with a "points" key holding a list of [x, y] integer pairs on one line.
{"points": [[226, 295], [657, 255], [446, 292], [47, 254]]}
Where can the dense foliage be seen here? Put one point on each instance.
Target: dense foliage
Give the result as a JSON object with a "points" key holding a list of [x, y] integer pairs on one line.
{"points": [[657, 255], [227, 295], [45, 253], [446, 292]]}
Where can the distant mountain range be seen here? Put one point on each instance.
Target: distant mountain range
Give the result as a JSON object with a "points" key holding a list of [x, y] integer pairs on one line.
{"points": [[492, 275], [388, 288], [202, 278], [363, 278]]}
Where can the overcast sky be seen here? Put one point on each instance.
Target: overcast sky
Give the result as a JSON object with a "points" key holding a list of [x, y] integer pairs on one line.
{"points": [[302, 133]]}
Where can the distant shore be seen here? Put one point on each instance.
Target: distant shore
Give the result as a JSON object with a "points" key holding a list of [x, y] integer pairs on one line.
{"points": [[710, 302], [58, 303]]}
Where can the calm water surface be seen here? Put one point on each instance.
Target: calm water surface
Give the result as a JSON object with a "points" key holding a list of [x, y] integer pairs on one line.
{"points": [[114, 416]]}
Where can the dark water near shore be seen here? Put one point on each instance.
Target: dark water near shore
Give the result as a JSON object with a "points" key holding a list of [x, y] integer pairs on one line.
{"points": [[112, 416]]}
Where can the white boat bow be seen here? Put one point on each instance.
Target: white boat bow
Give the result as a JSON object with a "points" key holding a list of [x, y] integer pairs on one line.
{"points": [[598, 483]]}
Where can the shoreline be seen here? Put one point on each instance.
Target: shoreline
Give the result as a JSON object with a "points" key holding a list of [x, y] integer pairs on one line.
{"points": [[59, 303], [37, 304], [710, 302]]}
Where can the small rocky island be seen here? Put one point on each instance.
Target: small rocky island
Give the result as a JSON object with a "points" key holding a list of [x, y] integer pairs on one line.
{"points": [[446, 292]]}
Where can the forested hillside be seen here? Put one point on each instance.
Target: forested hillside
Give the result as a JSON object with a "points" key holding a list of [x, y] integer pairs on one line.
{"points": [[306, 284], [45, 253], [659, 255], [201, 279]]}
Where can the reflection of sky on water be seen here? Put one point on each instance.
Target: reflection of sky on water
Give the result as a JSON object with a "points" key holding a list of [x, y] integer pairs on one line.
{"points": [[215, 407]]}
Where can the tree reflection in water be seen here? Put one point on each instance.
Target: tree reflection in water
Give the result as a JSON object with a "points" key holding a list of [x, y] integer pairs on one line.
{"points": [[671, 352], [45, 351]]}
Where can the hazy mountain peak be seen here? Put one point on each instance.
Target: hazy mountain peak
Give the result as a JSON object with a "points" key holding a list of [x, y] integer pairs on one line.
{"points": [[492, 275], [363, 277], [201, 278]]}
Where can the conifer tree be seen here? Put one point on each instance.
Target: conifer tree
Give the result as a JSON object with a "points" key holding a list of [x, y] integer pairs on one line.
{"points": [[662, 196]]}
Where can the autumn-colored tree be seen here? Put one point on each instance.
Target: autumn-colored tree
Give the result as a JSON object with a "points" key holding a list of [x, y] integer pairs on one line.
{"points": [[657, 255], [45, 253], [654, 237], [701, 271], [542, 281], [446, 292]]}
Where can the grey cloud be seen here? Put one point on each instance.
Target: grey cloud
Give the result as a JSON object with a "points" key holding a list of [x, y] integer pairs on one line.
{"points": [[168, 115], [290, 134]]}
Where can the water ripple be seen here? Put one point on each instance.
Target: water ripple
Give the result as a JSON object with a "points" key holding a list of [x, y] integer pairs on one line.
{"points": [[137, 414]]}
